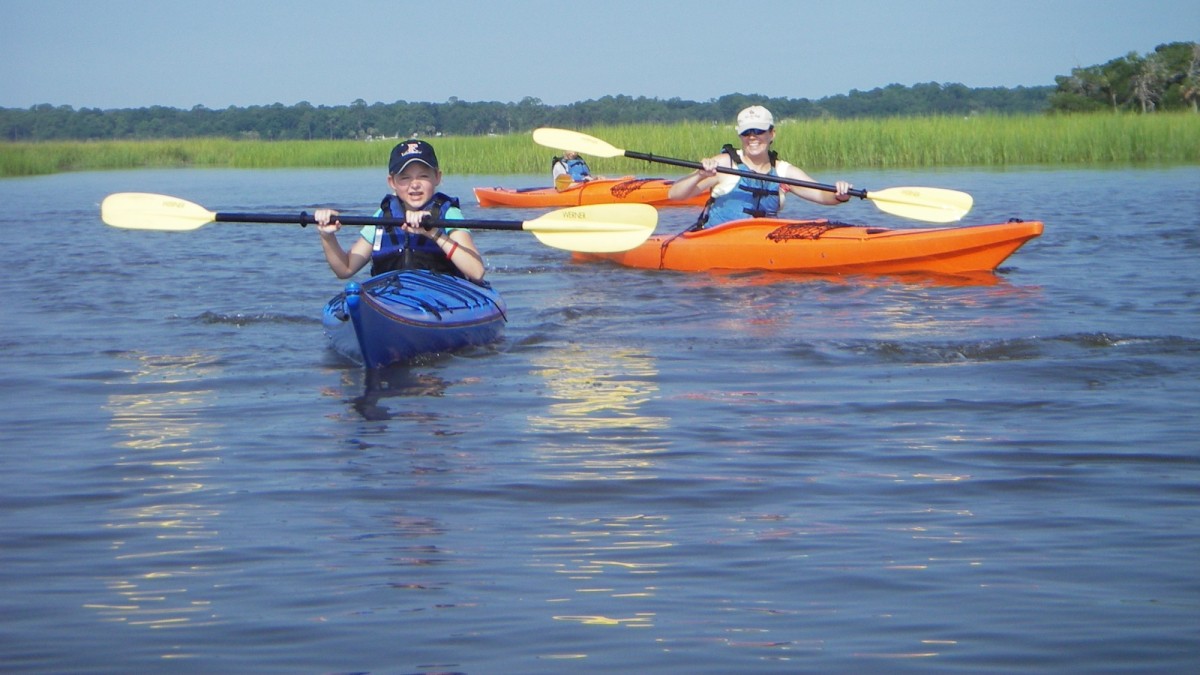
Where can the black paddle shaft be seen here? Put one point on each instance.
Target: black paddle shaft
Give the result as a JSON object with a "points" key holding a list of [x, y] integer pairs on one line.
{"points": [[853, 192], [304, 220]]}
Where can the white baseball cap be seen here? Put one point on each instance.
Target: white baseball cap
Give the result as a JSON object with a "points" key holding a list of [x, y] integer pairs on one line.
{"points": [[755, 117]]}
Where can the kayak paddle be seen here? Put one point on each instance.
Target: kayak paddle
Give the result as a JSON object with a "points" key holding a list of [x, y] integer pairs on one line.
{"points": [[934, 205], [600, 228]]}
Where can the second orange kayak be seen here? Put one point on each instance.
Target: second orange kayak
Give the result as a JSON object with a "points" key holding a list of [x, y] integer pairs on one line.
{"points": [[651, 191], [824, 247]]}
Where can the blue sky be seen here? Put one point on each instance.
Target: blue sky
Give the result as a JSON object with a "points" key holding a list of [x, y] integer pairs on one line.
{"points": [[217, 53]]}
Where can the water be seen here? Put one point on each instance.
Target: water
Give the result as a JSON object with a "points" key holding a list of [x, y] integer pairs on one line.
{"points": [[653, 472]]}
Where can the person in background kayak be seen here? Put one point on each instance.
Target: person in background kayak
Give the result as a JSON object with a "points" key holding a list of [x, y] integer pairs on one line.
{"points": [[413, 176], [571, 164], [735, 197]]}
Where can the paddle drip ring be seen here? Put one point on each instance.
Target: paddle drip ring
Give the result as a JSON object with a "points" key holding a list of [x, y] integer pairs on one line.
{"points": [[622, 189], [809, 230]]}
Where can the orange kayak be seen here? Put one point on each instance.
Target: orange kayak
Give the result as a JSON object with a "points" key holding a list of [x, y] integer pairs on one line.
{"points": [[825, 247], [605, 191]]}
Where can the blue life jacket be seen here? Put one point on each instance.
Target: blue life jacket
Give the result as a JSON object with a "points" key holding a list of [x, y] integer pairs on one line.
{"points": [[395, 249], [577, 168], [751, 198]]}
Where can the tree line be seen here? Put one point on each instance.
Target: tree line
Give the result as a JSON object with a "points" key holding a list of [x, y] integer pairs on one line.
{"points": [[1166, 79], [360, 120]]}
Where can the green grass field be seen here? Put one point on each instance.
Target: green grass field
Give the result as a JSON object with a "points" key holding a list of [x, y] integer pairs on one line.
{"points": [[1163, 138]]}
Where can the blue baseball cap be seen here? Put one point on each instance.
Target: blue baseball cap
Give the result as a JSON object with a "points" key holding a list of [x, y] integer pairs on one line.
{"points": [[412, 150]]}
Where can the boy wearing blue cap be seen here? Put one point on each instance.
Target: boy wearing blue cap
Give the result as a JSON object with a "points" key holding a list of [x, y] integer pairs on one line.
{"points": [[413, 176]]}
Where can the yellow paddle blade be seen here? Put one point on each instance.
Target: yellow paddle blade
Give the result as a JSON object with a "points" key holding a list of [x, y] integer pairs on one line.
{"points": [[146, 211], [562, 181], [562, 139], [933, 205], [598, 228]]}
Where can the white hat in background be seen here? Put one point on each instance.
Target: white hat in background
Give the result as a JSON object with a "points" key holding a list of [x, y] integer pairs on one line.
{"points": [[755, 117]]}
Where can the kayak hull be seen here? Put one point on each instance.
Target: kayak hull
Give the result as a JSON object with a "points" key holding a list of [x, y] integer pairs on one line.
{"points": [[395, 317], [823, 247], [631, 190]]}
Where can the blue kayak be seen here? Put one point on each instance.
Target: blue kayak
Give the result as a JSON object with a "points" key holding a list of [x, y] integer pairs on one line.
{"points": [[394, 317]]}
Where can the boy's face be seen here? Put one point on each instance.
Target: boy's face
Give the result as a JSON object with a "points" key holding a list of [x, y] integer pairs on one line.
{"points": [[415, 184]]}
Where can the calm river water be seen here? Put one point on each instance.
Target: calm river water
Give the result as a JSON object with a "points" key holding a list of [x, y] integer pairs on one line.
{"points": [[652, 472]]}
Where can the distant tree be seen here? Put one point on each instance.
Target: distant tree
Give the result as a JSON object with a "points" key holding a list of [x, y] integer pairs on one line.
{"points": [[1189, 86], [1149, 79]]}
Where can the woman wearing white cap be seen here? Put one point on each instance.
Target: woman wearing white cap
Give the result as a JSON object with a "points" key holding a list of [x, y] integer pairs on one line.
{"points": [[734, 197]]}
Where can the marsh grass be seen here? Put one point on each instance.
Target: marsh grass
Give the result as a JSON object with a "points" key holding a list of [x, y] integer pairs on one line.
{"points": [[945, 141], [1166, 138]]}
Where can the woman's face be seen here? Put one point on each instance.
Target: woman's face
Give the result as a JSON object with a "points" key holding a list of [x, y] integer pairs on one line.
{"points": [[757, 140]]}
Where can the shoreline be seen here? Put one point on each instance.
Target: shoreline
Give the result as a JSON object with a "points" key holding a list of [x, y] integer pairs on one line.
{"points": [[823, 145]]}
